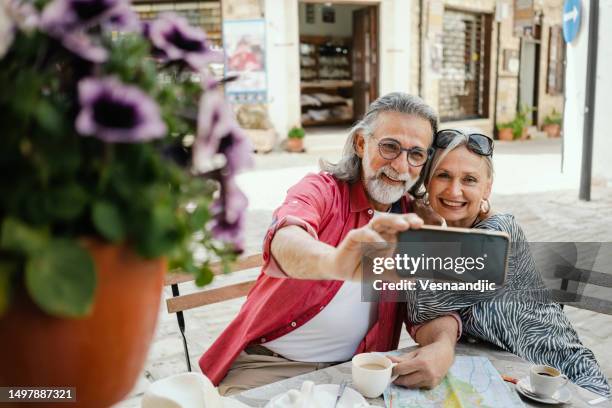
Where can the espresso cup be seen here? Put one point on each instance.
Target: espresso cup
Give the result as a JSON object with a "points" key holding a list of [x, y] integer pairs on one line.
{"points": [[546, 380], [372, 373]]}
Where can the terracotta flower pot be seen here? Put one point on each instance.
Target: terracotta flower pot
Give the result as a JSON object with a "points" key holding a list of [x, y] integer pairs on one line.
{"points": [[102, 354], [552, 130], [525, 134], [295, 145], [505, 134]]}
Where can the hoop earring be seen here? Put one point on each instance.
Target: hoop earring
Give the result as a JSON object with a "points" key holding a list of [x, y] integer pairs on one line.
{"points": [[426, 198], [487, 206]]}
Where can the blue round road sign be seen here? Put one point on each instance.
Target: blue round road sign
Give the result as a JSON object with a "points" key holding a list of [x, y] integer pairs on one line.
{"points": [[572, 14]]}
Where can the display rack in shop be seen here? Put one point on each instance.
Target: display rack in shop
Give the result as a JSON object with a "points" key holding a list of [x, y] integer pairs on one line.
{"points": [[203, 14], [326, 81]]}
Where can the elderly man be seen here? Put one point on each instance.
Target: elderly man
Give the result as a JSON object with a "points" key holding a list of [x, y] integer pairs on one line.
{"points": [[290, 326]]}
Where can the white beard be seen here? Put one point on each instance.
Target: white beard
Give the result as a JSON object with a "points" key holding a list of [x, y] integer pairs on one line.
{"points": [[378, 189]]}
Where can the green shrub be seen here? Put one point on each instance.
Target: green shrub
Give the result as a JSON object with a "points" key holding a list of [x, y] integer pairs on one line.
{"points": [[520, 122], [554, 118], [296, 132]]}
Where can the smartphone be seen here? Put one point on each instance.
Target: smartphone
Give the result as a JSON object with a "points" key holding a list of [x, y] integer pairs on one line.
{"points": [[454, 254]]}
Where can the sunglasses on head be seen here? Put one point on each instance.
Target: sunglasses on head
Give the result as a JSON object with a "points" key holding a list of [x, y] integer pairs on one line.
{"points": [[477, 143]]}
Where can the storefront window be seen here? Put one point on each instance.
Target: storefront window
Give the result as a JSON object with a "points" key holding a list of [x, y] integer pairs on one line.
{"points": [[203, 14]]}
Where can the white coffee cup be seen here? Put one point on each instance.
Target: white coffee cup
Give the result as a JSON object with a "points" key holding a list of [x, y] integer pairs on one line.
{"points": [[546, 380], [372, 373]]}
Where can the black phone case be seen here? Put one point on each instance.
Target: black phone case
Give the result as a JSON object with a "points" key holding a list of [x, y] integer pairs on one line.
{"points": [[493, 247]]}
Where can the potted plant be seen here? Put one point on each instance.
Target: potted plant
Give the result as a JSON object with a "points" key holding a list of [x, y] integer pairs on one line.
{"points": [[522, 122], [504, 131], [118, 154], [295, 139], [517, 127], [552, 124]]}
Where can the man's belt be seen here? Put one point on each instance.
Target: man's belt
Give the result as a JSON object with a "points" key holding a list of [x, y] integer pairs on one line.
{"points": [[259, 350]]}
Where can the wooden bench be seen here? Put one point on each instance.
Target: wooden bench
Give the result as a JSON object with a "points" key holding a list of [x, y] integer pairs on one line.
{"points": [[179, 303]]}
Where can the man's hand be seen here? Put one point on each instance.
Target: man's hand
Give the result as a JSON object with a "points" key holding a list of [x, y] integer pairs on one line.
{"points": [[424, 367], [344, 262]]}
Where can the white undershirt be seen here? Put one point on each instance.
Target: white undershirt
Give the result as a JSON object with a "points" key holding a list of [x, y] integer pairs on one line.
{"points": [[334, 333]]}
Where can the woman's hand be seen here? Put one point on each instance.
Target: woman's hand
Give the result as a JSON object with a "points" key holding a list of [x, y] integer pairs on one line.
{"points": [[424, 367]]}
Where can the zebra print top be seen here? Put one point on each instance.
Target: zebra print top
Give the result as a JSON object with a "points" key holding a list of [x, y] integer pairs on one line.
{"points": [[519, 318]]}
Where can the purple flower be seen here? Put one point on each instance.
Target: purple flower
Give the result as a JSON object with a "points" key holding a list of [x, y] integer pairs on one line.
{"points": [[174, 39], [60, 17], [237, 150], [22, 13], [15, 15], [228, 222], [69, 20], [7, 30], [117, 113], [218, 133], [82, 46], [123, 18]]}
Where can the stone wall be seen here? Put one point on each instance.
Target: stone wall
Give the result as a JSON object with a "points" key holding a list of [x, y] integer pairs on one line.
{"points": [[507, 93], [440, 82], [552, 16]]}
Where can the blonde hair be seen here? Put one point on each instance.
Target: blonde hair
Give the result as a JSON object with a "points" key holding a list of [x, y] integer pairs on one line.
{"points": [[439, 155]]}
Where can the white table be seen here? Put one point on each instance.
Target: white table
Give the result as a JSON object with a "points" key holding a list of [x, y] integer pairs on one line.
{"points": [[506, 363]]}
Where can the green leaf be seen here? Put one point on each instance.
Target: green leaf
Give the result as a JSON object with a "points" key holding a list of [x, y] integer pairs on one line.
{"points": [[66, 202], [205, 276], [49, 118], [20, 237], [199, 217], [158, 235], [61, 279], [107, 220]]}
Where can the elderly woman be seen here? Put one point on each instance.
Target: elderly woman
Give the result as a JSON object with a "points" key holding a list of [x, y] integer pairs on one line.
{"points": [[519, 318]]}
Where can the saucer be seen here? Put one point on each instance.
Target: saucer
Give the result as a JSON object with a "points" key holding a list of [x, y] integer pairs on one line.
{"points": [[325, 396], [562, 396]]}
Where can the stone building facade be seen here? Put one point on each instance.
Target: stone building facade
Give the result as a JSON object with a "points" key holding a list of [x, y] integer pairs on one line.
{"points": [[459, 55], [443, 50]]}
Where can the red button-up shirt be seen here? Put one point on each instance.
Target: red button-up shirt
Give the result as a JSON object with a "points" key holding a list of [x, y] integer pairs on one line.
{"points": [[327, 209]]}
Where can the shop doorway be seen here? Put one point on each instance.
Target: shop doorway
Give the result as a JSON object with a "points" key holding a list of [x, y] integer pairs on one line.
{"points": [[529, 72], [338, 62]]}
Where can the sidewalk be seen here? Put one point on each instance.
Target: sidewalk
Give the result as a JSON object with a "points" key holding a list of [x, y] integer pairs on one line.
{"points": [[544, 204]]}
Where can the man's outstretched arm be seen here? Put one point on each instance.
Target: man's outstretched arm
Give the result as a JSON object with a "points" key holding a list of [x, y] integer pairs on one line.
{"points": [[301, 256]]}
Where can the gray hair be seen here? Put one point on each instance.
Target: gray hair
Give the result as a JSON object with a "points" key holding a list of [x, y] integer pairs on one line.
{"points": [[349, 166]]}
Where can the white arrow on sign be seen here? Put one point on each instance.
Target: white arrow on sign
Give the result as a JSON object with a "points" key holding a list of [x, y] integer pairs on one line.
{"points": [[572, 15]]}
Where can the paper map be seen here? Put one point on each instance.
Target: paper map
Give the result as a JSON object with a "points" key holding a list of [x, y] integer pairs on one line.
{"points": [[470, 382]]}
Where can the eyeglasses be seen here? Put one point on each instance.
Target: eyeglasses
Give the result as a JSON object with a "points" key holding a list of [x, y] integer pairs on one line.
{"points": [[477, 143], [390, 149]]}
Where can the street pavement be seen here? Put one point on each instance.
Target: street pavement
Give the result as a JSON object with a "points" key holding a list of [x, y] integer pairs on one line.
{"points": [[528, 183]]}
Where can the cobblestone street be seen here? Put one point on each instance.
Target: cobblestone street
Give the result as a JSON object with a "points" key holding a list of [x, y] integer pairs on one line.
{"points": [[527, 184]]}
